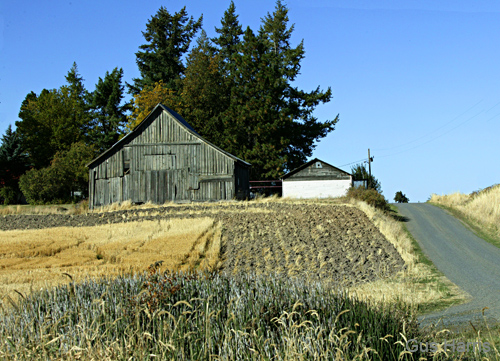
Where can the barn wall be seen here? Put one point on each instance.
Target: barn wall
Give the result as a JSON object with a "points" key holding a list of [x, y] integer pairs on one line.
{"points": [[321, 171], [316, 188], [165, 162]]}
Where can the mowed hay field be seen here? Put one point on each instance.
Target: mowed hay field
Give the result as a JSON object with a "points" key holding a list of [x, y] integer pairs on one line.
{"points": [[42, 258], [347, 244], [287, 280]]}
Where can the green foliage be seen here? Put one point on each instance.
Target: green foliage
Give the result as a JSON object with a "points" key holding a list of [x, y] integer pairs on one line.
{"points": [[204, 94], [400, 197], [167, 39], [13, 163], [201, 317], [229, 39], [359, 172], [270, 123], [108, 116], [9, 195], [57, 183], [41, 186], [370, 196], [53, 120], [237, 92]]}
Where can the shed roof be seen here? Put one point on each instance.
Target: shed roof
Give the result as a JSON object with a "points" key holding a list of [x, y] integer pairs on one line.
{"points": [[181, 121], [305, 165]]}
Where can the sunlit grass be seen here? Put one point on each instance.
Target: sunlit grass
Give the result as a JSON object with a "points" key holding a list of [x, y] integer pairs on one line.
{"points": [[483, 208], [34, 259]]}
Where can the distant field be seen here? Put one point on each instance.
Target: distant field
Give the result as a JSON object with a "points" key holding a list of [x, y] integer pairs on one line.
{"points": [[34, 259]]}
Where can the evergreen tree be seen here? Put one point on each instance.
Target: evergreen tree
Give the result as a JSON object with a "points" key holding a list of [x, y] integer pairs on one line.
{"points": [[78, 98], [269, 122], [229, 37], [168, 38], [13, 163], [108, 116], [298, 128], [204, 95]]}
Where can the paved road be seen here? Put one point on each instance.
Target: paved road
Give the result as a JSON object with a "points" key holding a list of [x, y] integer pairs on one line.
{"points": [[467, 260]]}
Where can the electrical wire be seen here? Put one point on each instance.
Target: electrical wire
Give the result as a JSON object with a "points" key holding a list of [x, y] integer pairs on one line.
{"points": [[435, 130], [439, 136], [361, 160]]}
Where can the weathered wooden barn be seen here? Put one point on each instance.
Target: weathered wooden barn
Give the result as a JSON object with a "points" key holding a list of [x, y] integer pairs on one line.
{"points": [[316, 179], [164, 159]]}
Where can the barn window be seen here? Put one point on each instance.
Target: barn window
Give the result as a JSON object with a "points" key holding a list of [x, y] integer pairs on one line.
{"points": [[126, 161], [319, 165]]}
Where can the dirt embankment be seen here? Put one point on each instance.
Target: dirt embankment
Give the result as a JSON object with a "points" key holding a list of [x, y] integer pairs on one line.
{"points": [[328, 242]]}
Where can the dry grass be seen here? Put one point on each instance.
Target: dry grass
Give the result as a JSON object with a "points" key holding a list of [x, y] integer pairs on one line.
{"points": [[44, 209], [482, 207], [38, 258], [34, 259], [417, 285]]}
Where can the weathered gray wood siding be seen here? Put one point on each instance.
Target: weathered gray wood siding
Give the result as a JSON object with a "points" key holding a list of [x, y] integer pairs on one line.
{"points": [[165, 162], [318, 171]]}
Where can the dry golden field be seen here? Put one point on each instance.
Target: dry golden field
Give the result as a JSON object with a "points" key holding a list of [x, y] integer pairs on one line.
{"points": [[482, 207], [41, 258], [329, 239]]}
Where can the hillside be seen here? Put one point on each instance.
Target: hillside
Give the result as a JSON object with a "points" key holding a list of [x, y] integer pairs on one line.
{"points": [[481, 210]]}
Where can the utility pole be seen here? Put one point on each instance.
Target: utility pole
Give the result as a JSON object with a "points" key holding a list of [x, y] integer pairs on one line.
{"points": [[369, 169], [370, 160]]}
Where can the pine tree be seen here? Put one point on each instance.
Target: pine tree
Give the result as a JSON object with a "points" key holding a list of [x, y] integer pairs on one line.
{"points": [[229, 37], [168, 38], [269, 122], [204, 94], [298, 128], [78, 98], [108, 114]]}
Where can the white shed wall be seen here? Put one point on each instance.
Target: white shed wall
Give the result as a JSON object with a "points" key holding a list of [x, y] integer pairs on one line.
{"points": [[316, 188]]}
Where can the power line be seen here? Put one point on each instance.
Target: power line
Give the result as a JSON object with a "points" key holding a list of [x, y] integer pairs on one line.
{"points": [[435, 130], [361, 160], [439, 136]]}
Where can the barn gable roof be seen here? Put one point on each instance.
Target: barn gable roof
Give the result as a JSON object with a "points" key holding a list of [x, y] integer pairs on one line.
{"points": [[305, 165], [182, 122]]}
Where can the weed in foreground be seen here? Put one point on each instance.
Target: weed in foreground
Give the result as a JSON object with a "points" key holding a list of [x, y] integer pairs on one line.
{"points": [[203, 316]]}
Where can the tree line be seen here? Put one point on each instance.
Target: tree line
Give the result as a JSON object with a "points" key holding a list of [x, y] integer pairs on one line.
{"points": [[236, 90]]}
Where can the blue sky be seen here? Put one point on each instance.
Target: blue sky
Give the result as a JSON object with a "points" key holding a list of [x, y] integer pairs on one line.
{"points": [[417, 82]]}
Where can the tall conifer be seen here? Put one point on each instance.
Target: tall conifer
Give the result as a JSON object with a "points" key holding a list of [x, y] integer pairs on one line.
{"points": [[108, 115], [167, 39]]}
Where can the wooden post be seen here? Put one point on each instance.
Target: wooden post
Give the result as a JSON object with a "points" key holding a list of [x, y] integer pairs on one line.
{"points": [[369, 169]]}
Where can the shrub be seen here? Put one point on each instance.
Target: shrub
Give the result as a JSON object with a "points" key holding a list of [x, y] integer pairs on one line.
{"points": [[8, 195], [57, 183], [401, 198], [370, 196], [41, 186]]}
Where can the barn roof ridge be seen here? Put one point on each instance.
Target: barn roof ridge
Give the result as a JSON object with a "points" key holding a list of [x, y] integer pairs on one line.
{"points": [[307, 164], [181, 121]]}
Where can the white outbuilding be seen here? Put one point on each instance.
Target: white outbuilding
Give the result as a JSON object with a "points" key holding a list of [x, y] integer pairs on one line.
{"points": [[316, 179]]}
